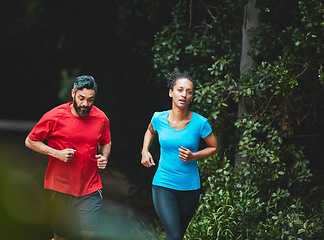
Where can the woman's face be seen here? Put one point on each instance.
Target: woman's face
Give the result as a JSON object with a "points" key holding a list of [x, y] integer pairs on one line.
{"points": [[182, 92]]}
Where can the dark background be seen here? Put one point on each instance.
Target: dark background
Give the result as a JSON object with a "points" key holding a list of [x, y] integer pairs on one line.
{"points": [[44, 46]]}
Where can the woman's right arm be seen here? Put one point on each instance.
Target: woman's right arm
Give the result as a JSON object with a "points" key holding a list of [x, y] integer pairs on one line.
{"points": [[147, 159]]}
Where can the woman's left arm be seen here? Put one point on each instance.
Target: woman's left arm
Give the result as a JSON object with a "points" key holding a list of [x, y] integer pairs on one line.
{"points": [[211, 149]]}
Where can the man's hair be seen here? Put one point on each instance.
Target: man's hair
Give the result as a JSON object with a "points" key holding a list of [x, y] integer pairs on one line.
{"points": [[85, 81]]}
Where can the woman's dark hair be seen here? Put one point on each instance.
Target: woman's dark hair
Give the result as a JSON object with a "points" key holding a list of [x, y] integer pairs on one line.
{"points": [[85, 81], [173, 77]]}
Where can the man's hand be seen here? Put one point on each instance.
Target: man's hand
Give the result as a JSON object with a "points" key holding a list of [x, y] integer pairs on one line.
{"points": [[101, 161], [65, 155]]}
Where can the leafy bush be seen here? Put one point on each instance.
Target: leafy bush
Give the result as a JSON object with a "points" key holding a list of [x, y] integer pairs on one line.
{"points": [[258, 199], [266, 194], [236, 206]]}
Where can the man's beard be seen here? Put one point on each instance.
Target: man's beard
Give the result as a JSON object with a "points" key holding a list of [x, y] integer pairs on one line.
{"points": [[80, 112]]}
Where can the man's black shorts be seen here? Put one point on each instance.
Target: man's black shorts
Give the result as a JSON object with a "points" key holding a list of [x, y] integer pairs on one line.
{"points": [[71, 215]]}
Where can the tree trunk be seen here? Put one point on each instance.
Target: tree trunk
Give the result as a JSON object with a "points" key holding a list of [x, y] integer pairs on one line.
{"points": [[250, 22]]}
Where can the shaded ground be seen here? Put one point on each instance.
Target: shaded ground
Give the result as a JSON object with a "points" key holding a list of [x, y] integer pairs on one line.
{"points": [[23, 201]]}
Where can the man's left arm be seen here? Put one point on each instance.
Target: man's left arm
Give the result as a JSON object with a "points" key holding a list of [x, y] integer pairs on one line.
{"points": [[102, 157]]}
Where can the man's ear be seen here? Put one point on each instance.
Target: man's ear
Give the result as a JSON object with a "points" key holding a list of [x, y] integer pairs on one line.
{"points": [[72, 93]]}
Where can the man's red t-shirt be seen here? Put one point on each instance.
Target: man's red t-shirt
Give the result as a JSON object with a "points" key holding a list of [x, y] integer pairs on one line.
{"points": [[61, 129]]}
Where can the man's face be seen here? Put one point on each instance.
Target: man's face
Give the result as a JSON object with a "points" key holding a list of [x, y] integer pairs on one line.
{"points": [[83, 100]]}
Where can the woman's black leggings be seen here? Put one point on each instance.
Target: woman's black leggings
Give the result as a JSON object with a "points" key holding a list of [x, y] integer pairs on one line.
{"points": [[175, 209]]}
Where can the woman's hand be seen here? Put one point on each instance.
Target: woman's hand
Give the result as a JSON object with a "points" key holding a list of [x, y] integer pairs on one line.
{"points": [[185, 154], [147, 159], [211, 149]]}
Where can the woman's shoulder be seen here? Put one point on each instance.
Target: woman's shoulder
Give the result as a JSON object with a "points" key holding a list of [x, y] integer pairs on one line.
{"points": [[199, 117], [161, 114]]}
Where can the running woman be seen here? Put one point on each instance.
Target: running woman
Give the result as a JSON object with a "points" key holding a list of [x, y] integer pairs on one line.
{"points": [[176, 183]]}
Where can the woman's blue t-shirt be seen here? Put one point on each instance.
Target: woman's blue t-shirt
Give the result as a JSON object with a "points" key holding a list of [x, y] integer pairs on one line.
{"points": [[172, 172]]}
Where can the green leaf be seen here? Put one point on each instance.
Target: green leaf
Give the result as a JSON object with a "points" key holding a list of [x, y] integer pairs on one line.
{"points": [[301, 231]]}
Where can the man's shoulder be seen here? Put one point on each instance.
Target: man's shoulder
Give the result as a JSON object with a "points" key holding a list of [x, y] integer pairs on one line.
{"points": [[95, 111], [57, 111]]}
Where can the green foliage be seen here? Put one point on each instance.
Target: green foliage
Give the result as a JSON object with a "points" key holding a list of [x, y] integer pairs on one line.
{"points": [[255, 201], [266, 197], [186, 40], [237, 205]]}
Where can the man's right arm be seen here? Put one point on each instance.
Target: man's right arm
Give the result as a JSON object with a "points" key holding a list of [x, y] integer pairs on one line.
{"points": [[64, 155]]}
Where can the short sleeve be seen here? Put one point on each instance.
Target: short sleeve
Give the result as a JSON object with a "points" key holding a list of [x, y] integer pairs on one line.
{"points": [[154, 121], [106, 135], [206, 129], [42, 129]]}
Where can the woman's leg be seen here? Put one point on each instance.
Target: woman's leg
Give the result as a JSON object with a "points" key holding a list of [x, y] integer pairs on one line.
{"points": [[188, 203], [167, 208]]}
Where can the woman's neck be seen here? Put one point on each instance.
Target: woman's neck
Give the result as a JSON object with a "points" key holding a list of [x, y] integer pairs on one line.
{"points": [[179, 115]]}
